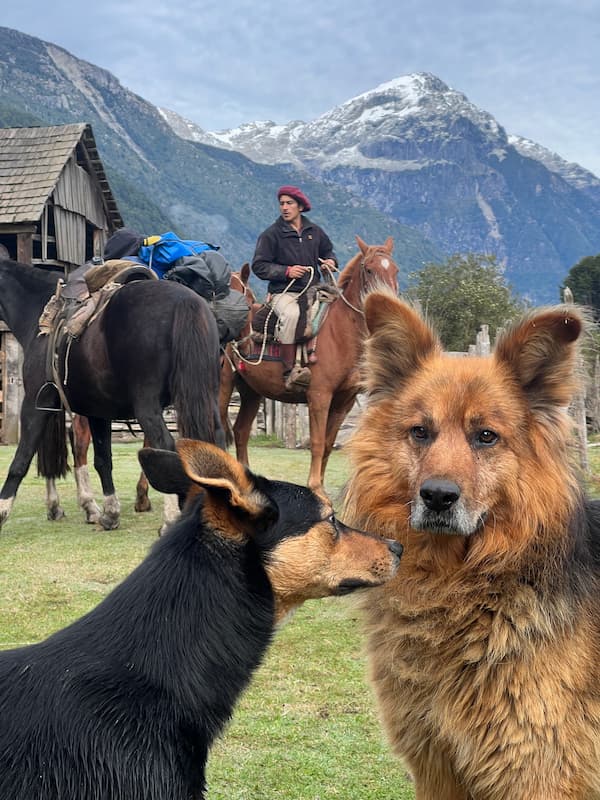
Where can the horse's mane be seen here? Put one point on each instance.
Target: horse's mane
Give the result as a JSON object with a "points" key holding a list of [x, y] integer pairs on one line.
{"points": [[347, 273]]}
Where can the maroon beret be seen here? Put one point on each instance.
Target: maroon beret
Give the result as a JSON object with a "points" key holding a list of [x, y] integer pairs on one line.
{"points": [[298, 196]]}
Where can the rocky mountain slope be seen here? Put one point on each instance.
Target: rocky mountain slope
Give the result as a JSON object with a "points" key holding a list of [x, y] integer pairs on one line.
{"points": [[412, 159]]}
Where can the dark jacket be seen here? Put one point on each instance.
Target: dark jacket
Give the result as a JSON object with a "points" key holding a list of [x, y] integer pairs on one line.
{"points": [[280, 247]]}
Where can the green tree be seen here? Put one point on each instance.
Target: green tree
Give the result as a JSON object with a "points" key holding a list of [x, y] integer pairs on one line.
{"points": [[584, 281], [463, 293]]}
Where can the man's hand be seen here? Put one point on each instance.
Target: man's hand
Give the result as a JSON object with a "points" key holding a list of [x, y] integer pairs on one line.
{"points": [[327, 263], [296, 271]]}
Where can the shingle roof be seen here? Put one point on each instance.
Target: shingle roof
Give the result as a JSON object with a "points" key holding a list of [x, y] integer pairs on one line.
{"points": [[31, 161]]}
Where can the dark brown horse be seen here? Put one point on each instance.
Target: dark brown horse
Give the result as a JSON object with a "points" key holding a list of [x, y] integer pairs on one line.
{"points": [[335, 374], [81, 437], [156, 343]]}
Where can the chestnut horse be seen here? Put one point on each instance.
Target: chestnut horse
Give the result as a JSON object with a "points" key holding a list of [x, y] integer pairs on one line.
{"points": [[335, 380]]}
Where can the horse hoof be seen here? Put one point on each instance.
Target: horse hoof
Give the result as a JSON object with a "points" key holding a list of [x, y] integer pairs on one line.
{"points": [[109, 523], [92, 513], [5, 507], [141, 506], [55, 514]]}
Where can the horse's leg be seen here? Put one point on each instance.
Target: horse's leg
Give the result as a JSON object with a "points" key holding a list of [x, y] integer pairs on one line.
{"points": [[225, 391], [101, 436], [33, 422], [156, 434], [54, 510], [318, 411], [249, 404], [341, 406], [142, 500], [81, 436]]}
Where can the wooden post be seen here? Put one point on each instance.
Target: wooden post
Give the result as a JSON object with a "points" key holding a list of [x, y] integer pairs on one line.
{"points": [[289, 415], [278, 417], [482, 345], [577, 408], [24, 248], [578, 412], [270, 411]]}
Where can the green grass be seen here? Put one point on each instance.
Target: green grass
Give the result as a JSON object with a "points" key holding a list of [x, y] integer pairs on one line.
{"points": [[305, 730]]}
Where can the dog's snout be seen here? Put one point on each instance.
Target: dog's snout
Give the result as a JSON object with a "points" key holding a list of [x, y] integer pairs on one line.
{"points": [[439, 495]]}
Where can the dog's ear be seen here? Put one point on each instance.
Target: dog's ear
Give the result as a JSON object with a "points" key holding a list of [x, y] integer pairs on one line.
{"points": [[541, 352], [221, 476], [164, 470], [398, 343]]}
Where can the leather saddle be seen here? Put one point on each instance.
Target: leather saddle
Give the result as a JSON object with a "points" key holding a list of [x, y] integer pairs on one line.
{"points": [[313, 310]]}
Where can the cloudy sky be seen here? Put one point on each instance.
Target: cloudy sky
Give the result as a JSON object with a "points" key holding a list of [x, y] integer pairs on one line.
{"points": [[533, 64]]}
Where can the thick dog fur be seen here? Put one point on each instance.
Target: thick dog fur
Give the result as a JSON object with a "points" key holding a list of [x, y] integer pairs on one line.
{"points": [[485, 649], [124, 703]]}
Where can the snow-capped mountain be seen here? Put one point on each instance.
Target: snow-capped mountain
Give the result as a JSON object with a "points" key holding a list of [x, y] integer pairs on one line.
{"points": [[412, 159], [423, 154], [413, 98], [411, 103], [572, 173]]}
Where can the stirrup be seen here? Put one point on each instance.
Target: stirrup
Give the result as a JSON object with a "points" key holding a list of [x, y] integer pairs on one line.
{"points": [[48, 398]]}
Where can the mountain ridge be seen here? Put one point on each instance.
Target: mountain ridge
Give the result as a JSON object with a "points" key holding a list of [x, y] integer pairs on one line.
{"points": [[411, 158], [423, 154]]}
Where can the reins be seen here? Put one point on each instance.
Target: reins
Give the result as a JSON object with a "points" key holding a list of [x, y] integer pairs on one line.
{"points": [[272, 309]]}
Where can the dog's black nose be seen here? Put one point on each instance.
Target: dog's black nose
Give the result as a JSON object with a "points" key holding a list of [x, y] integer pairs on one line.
{"points": [[395, 547], [439, 495]]}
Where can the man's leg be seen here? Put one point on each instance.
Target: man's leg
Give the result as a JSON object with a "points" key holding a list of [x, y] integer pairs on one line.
{"points": [[288, 313]]}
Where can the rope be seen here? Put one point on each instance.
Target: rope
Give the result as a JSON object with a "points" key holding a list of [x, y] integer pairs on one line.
{"points": [[349, 304], [261, 355]]}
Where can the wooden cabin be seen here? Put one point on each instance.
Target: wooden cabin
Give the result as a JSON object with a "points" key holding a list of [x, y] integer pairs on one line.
{"points": [[56, 212]]}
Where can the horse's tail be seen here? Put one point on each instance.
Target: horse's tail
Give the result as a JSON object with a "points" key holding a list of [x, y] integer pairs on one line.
{"points": [[195, 372], [52, 450]]}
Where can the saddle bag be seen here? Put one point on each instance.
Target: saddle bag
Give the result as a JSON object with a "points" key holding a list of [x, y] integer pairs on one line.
{"points": [[231, 313], [264, 324]]}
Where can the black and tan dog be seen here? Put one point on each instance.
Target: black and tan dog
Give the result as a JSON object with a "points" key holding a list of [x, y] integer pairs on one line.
{"points": [[125, 703], [485, 656]]}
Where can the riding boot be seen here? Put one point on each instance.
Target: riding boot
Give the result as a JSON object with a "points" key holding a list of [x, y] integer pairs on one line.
{"points": [[287, 353], [295, 376]]}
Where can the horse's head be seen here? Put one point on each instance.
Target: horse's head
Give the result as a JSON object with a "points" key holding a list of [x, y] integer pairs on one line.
{"points": [[239, 282], [371, 268], [377, 265]]}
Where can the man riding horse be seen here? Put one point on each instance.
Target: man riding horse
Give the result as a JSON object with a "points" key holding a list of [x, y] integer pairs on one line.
{"points": [[289, 255]]}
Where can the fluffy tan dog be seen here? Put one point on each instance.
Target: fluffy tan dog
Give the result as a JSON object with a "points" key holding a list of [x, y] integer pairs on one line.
{"points": [[485, 649]]}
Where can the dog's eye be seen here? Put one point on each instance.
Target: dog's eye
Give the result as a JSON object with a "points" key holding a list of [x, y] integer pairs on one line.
{"points": [[332, 520], [419, 433], [487, 438]]}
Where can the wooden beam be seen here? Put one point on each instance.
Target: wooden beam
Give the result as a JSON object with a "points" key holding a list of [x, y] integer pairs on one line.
{"points": [[24, 248]]}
